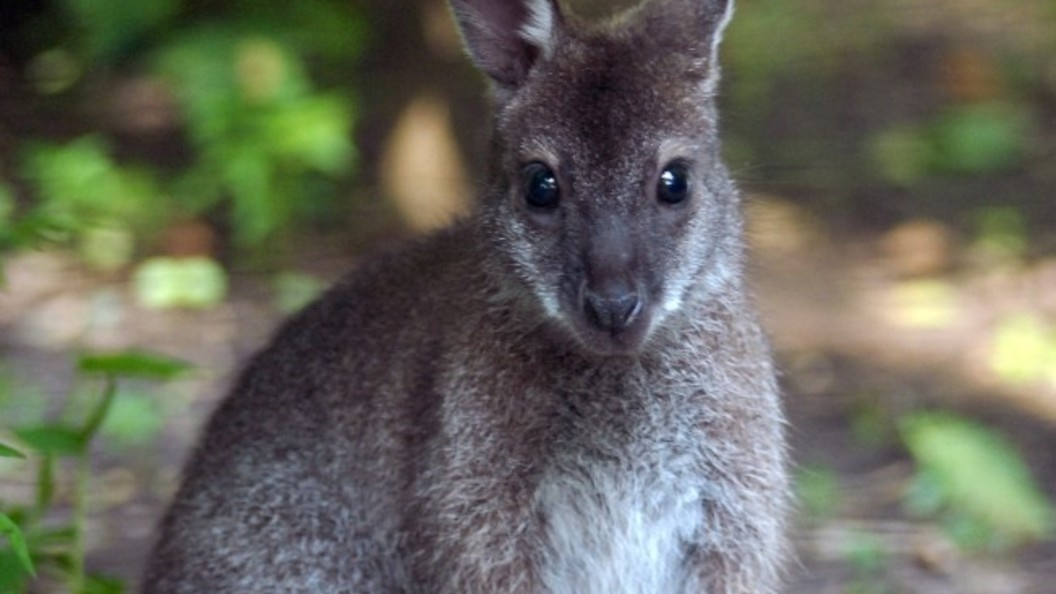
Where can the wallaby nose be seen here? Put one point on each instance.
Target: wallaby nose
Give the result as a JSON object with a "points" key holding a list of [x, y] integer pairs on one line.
{"points": [[612, 313]]}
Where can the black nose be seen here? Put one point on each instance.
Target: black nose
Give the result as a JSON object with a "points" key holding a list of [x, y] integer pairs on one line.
{"points": [[611, 312]]}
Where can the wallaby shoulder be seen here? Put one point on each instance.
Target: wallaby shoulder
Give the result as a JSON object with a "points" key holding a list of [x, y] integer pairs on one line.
{"points": [[309, 444]]}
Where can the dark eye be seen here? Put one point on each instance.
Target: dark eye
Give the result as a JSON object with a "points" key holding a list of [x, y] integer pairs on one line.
{"points": [[673, 186], [540, 186]]}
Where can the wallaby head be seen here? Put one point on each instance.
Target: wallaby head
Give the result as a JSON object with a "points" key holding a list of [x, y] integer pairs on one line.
{"points": [[607, 204]]}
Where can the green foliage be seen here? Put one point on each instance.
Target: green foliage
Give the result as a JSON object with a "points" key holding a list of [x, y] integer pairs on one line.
{"points": [[108, 28], [974, 480], [961, 140], [7, 205], [34, 542], [13, 534], [186, 282], [7, 451], [331, 29], [259, 129], [756, 64], [98, 584], [91, 201], [79, 183], [21, 232], [979, 138], [133, 419], [133, 364], [267, 148], [52, 439], [7, 209], [818, 492]]}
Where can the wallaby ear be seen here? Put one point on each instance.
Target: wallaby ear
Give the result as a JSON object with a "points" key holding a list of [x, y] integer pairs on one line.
{"points": [[696, 28], [506, 37], [721, 14]]}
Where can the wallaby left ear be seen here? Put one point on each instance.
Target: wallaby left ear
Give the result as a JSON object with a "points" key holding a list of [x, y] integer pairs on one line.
{"points": [[506, 38]]}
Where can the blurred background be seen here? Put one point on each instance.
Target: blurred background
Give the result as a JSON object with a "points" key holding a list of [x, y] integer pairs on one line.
{"points": [[177, 176]]}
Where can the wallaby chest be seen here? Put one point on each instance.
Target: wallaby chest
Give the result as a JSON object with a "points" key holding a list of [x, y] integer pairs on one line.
{"points": [[617, 506], [608, 528]]}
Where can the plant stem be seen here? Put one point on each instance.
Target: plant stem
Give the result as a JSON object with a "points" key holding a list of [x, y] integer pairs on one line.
{"points": [[45, 487], [98, 414], [80, 494], [80, 519]]}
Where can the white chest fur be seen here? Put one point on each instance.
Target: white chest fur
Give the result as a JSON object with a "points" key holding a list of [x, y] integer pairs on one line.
{"points": [[612, 532]]}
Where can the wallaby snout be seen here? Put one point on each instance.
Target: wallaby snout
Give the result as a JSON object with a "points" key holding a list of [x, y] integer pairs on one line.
{"points": [[612, 311], [611, 298]]}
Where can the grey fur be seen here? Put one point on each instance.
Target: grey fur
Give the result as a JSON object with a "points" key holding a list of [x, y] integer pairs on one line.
{"points": [[449, 419]]}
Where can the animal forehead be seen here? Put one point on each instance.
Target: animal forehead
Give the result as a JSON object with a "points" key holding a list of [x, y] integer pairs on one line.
{"points": [[605, 97], [618, 77]]}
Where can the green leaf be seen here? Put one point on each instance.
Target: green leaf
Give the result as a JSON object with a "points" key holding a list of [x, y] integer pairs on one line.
{"points": [[979, 476], [7, 204], [158, 283], [249, 174], [313, 130], [98, 584], [206, 283], [45, 482], [980, 138], [80, 181], [133, 364], [54, 538], [184, 282], [7, 451], [110, 28], [13, 577], [54, 439], [13, 534]]}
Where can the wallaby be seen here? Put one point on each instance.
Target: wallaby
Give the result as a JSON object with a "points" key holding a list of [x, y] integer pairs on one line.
{"points": [[567, 392]]}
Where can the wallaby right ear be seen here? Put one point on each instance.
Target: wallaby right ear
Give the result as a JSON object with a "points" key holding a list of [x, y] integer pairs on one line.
{"points": [[506, 37]]}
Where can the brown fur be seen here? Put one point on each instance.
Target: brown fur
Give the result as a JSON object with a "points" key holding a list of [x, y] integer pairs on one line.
{"points": [[448, 419]]}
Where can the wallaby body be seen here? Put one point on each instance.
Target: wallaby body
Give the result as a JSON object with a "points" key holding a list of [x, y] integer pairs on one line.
{"points": [[566, 393]]}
